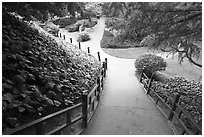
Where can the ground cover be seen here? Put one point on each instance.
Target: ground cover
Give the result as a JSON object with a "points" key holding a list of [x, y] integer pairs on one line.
{"points": [[40, 75]]}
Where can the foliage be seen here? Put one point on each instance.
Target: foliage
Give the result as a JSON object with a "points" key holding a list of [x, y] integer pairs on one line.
{"points": [[151, 63], [51, 28], [43, 10], [39, 75], [116, 23], [191, 95], [91, 9], [72, 28], [109, 41], [63, 22], [89, 24], [107, 37], [83, 37], [84, 23], [176, 25]]}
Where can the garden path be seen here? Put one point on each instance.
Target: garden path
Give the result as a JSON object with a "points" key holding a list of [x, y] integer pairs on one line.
{"points": [[124, 107]]}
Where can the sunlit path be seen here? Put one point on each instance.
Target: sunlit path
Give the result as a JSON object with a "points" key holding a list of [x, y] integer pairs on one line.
{"points": [[124, 108]]}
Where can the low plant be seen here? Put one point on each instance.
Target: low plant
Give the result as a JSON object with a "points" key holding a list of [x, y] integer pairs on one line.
{"points": [[109, 41], [83, 37], [86, 23], [151, 63], [63, 22], [51, 28], [191, 95], [89, 24], [73, 28]]}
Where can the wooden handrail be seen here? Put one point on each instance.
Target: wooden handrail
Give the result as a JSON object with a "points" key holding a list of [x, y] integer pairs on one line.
{"points": [[181, 122], [96, 90], [189, 117], [162, 100], [12, 131], [174, 106], [93, 90]]}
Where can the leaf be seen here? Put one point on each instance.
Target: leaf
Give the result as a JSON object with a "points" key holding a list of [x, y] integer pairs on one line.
{"points": [[15, 104], [13, 122], [68, 102], [21, 109], [57, 103], [8, 97], [47, 100], [36, 91]]}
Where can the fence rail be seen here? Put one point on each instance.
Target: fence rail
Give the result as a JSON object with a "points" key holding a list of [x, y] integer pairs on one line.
{"points": [[171, 113], [58, 122]]}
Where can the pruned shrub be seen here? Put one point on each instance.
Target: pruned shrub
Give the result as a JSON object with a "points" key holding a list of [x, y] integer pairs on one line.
{"points": [[73, 28], [63, 22], [109, 41], [83, 37], [160, 76], [86, 23], [151, 63], [89, 24], [191, 96]]}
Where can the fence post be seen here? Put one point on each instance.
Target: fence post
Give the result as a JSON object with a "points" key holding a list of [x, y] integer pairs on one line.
{"points": [[140, 80], [84, 109], [79, 45], [104, 69], [99, 88], [99, 58], [102, 74], [106, 60], [173, 108], [70, 40], [64, 37], [150, 83], [88, 50]]}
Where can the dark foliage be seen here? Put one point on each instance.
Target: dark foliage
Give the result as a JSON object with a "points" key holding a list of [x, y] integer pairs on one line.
{"points": [[39, 76]]}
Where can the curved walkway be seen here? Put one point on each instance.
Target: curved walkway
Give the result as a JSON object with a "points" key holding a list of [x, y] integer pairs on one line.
{"points": [[124, 107]]}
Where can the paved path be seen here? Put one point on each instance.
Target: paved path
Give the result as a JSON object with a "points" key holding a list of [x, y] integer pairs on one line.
{"points": [[124, 107]]}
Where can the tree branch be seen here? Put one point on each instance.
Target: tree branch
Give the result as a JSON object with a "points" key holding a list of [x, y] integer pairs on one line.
{"points": [[190, 10], [192, 61], [189, 57]]}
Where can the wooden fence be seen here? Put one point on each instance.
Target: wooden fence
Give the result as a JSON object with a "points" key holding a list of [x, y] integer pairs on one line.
{"points": [[63, 121], [174, 112]]}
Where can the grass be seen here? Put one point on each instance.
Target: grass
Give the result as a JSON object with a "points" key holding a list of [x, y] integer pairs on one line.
{"points": [[185, 69]]}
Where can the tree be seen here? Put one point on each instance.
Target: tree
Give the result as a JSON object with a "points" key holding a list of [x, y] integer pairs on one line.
{"points": [[174, 27], [40, 10]]}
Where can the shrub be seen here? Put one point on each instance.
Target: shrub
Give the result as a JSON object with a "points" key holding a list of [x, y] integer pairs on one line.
{"points": [[73, 28], [51, 28], [88, 24], [63, 22], [149, 40], [83, 37], [191, 95], [151, 62], [107, 37], [159, 76]]}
